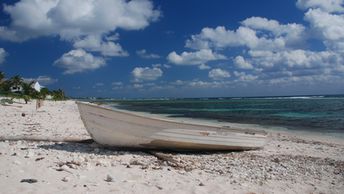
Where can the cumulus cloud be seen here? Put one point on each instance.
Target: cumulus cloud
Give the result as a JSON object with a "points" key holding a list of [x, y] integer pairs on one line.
{"points": [[96, 44], [242, 76], [325, 5], [146, 74], [88, 24], [307, 79], [99, 84], [272, 50], [77, 61], [194, 84], [291, 33], [204, 67], [329, 27], [31, 19], [194, 58], [295, 59], [248, 36], [166, 66], [241, 63], [3, 55], [143, 54], [43, 79], [220, 37], [46, 80], [218, 74], [117, 85], [161, 65]]}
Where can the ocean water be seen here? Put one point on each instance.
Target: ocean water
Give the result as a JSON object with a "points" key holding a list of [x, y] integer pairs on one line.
{"points": [[312, 113]]}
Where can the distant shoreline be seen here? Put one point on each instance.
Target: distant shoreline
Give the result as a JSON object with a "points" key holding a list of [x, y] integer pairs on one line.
{"points": [[214, 97]]}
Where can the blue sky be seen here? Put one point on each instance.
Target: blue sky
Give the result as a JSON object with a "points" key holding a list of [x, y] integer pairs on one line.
{"points": [[174, 48]]}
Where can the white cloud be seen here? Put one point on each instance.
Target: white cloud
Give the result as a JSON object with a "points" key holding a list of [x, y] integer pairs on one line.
{"points": [[290, 33], [241, 63], [138, 86], [242, 76], [76, 61], [329, 27], [194, 84], [278, 50], [162, 65], [273, 52], [194, 58], [156, 65], [249, 36], [46, 80], [142, 87], [43, 79], [167, 66], [325, 5], [204, 67], [143, 54], [32, 19], [95, 44], [220, 37], [177, 83], [3, 55], [88, 24], [265, 24], [306, 79], [117, 85], [295, 59], [218, 74], [146, 74], [200, 84], [99, 84]]}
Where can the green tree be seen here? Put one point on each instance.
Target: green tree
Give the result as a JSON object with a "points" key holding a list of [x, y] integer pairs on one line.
{"points": [[2, 76], [2, 80], [28, 91], [58, 95], [5, 86], [44, 92], [16, 81]]}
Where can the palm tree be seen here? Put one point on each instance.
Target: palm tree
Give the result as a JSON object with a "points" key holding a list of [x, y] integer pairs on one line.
{"points": [[16, 80], [2, 76], [44, 92], [28, 90], [58, 95]]}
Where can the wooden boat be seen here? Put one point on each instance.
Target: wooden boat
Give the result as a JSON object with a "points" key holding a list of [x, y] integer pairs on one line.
{"points": [[119, 128]]}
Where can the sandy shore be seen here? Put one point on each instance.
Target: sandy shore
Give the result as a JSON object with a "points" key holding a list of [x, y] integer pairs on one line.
{"points": [[289, 163]]}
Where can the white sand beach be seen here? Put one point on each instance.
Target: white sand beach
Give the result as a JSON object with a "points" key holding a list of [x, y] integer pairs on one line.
{"points": [[289, 163]]}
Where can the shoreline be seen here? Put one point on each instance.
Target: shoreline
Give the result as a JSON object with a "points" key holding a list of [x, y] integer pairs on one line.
{"points": [[289, 163]]}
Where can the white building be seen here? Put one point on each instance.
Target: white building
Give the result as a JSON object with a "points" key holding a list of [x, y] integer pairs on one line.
{"points": [[16, 89], [37, 86]]}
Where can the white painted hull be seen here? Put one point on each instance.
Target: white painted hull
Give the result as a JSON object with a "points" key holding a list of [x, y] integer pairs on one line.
{"points": [[123, 129]]}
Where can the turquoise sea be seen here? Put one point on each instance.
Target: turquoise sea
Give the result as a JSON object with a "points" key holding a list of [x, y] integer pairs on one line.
{"points": [[311, 113]]}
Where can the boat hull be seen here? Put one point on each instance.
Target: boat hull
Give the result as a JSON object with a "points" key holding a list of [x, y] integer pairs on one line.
{"points": [[125, 129]]}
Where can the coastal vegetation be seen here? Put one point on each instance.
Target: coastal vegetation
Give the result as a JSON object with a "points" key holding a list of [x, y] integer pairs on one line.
{"points": [[17, 87]]}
